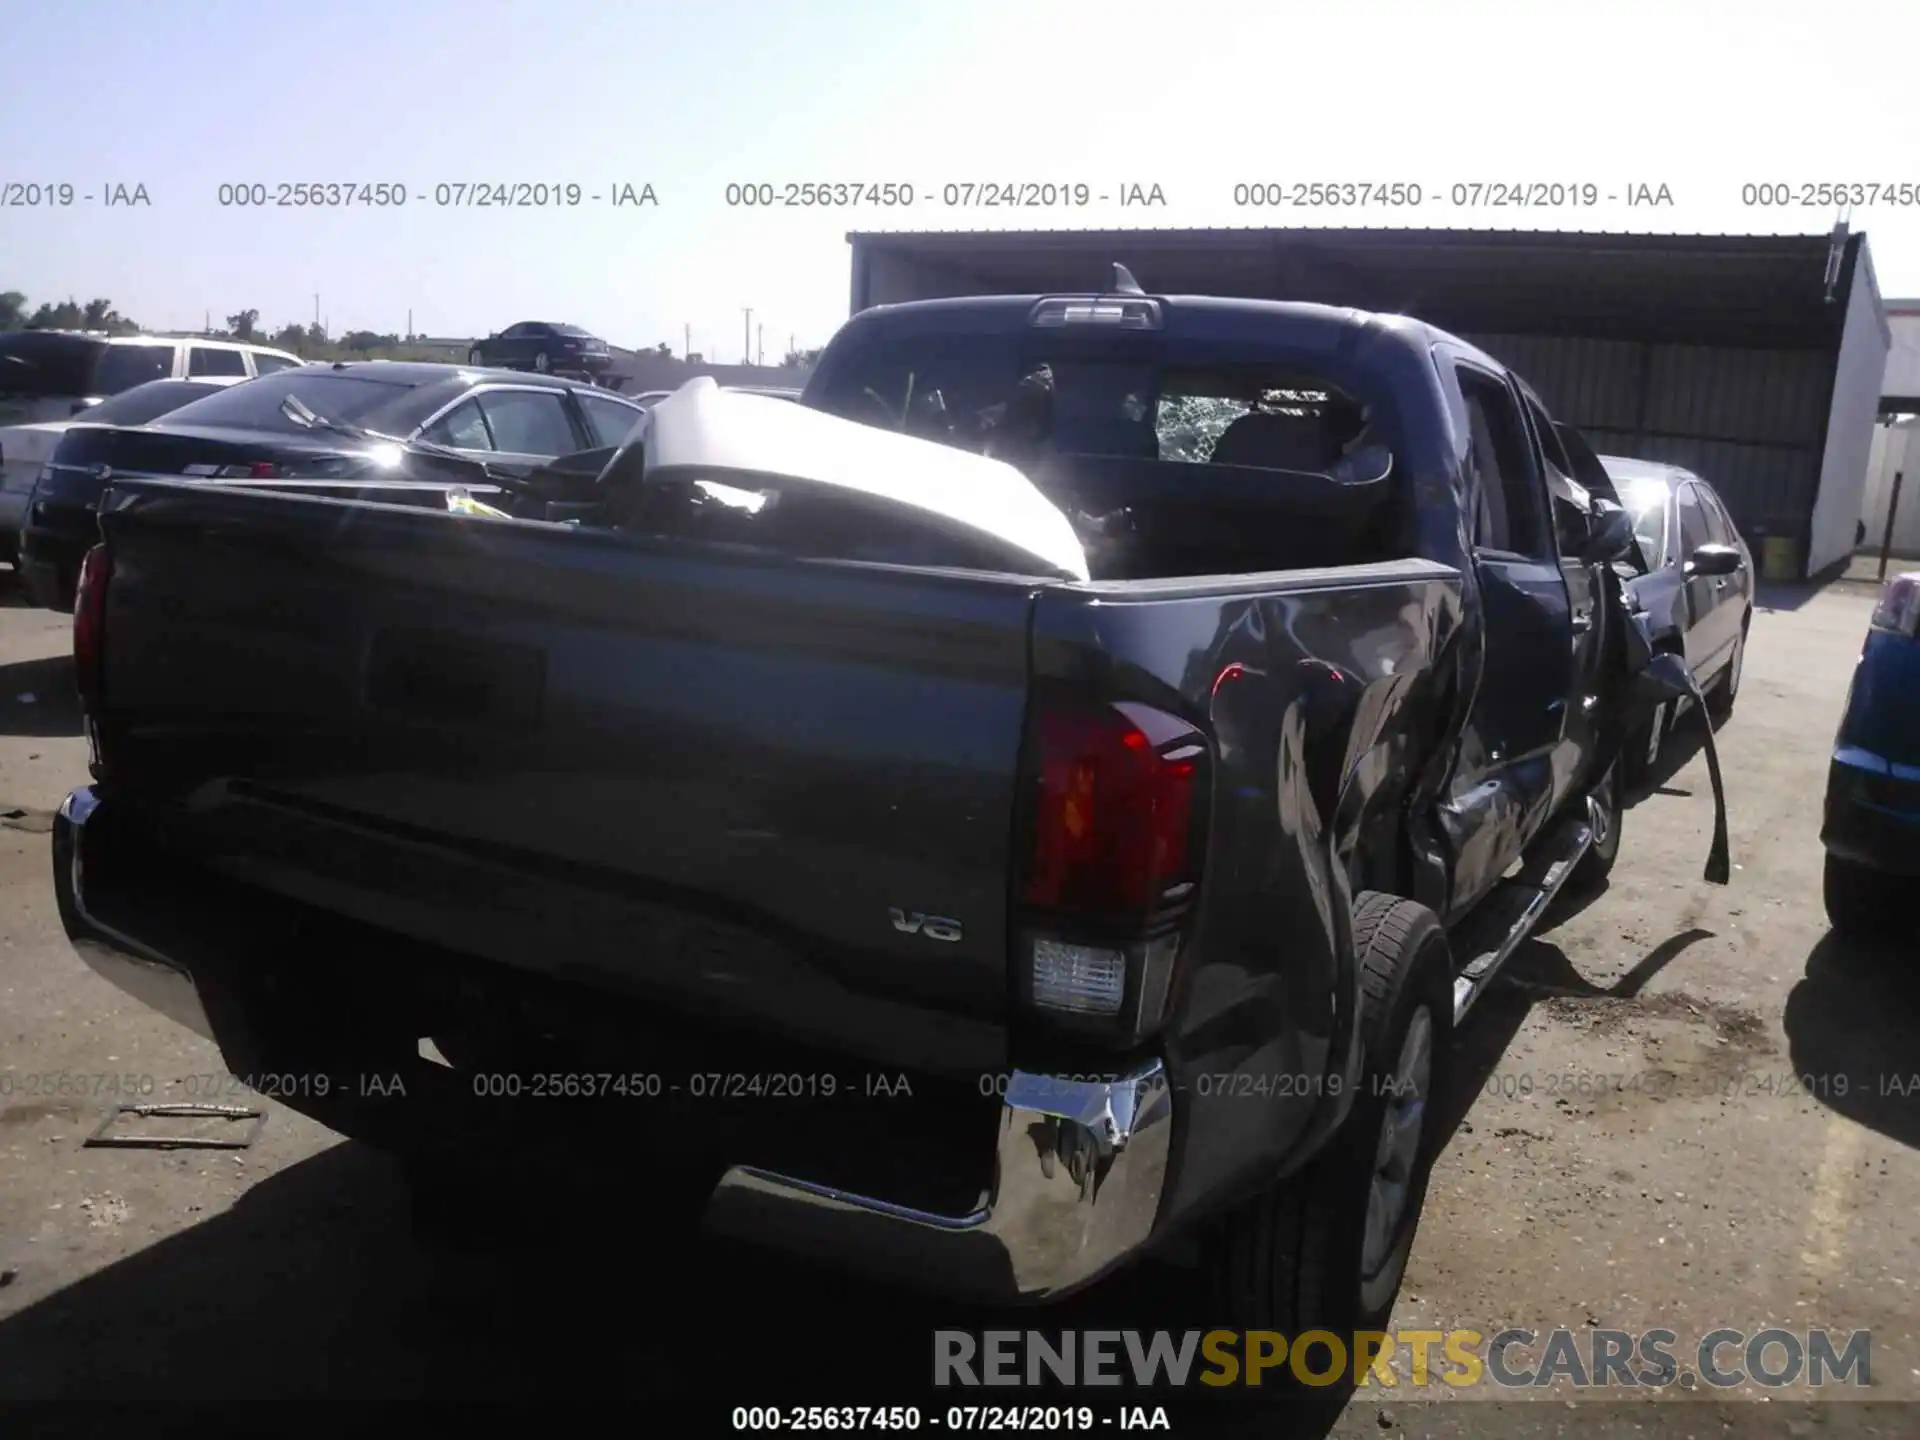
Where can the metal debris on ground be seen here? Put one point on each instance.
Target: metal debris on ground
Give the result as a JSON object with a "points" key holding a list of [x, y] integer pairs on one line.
{"points": [[252, 1121]]}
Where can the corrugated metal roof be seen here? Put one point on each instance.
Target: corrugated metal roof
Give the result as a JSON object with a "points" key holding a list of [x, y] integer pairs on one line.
{"points": [[1764, 291], [1681, 239]]}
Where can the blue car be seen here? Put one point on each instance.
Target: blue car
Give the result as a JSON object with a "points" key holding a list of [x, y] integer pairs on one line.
{"points": [[1872, 825]]}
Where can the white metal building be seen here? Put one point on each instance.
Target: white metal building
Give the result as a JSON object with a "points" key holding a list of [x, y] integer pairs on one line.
{"points": [[1896, 453], [1900, 390]]}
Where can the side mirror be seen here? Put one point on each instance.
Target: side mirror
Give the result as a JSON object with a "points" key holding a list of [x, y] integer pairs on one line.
{"points": [[1609, 534], [1713, 559]]}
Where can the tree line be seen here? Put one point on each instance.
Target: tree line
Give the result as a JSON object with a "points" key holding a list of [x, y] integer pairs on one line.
{"points": [[309, 342]]}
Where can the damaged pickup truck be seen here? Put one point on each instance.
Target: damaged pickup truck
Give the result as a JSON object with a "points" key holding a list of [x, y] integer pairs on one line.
{"points": [[1044, 799]]}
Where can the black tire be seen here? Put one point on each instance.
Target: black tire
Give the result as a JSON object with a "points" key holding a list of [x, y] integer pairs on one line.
{"points": [[1726, 689], [1640, 756], [476, 357], [1294, 1258], [542, 362], [1863, 903], [1597, 864]]}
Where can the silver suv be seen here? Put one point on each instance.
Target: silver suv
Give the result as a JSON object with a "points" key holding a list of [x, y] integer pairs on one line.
{"points": [[46, 374], [47, 377]]}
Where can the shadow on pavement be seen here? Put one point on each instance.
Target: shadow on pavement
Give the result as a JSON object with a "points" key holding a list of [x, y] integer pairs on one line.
{"points": [[1774, 596], [312, 1296], [1851, 1022], [1539, 970], [39, 697]]}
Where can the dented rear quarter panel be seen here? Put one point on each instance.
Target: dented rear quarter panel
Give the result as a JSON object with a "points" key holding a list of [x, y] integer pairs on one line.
{"points": [[1321, 692]]}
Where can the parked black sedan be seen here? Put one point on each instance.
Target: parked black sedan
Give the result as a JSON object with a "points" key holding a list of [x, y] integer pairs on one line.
{"points": [[135, 406], [545, 348], [516, 423], [1697, 590]]}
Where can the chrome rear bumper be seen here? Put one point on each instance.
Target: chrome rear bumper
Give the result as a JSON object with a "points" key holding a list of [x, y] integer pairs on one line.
{"points": [[1078, 1177], [1078, 1174]]}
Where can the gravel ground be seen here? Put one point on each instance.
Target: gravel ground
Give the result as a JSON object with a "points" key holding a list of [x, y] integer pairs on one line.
{"points": [[1687, 1111]]}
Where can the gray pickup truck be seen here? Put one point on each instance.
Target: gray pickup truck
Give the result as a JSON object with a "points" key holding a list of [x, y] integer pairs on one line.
{"points": [[960, 911]]}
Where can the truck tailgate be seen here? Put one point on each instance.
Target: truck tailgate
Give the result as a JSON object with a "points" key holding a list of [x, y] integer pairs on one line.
{"points": [[762, 790]]}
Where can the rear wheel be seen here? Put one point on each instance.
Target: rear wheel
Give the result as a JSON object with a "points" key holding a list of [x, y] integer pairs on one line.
{"points": [[474, 357], [1327, 1248], [1865, 903], [542, 362]]}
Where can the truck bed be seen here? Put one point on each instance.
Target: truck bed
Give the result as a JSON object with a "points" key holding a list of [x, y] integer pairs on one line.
{"points": [[708, 779]]}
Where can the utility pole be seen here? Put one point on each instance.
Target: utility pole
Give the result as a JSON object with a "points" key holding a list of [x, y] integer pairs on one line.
{"points": [[760, 345], [409, 327], [686, 341], [747, 340], [316, 310]]}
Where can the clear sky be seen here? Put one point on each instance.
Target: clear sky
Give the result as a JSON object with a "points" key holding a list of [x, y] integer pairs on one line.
{"points": [[184, 96]]}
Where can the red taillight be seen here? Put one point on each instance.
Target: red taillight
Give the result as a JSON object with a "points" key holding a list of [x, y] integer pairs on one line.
{"points": [[1113, 822], [262, 470], [90, 623]]}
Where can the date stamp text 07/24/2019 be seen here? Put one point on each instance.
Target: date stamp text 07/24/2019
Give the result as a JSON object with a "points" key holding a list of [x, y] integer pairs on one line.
{"points": [[441, 195], [950, 195]]}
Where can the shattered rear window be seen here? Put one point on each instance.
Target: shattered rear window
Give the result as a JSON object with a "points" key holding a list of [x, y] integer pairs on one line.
{"points": [[1011, 397]]}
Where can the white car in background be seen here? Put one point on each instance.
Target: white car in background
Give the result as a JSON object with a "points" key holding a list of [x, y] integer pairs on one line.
{"points": [[52, 374], [24, 449], [49, 376]]}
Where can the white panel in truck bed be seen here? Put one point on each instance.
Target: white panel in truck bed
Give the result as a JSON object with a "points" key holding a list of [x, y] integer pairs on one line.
{"points": [[702, 427]]}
